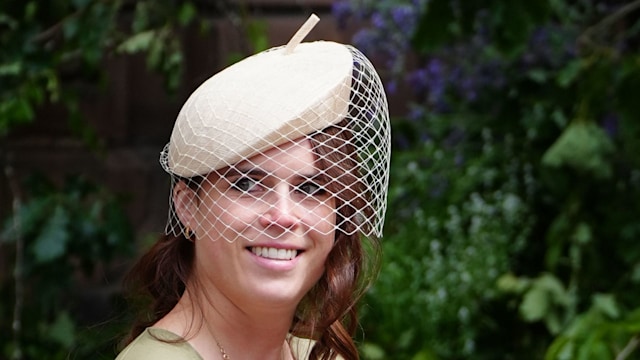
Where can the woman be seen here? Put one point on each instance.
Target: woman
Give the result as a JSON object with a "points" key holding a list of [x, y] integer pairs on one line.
{"points": [[279, 168]]}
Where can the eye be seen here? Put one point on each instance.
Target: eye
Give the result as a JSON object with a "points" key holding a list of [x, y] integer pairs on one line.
{"points": [[311, 188], [245, 184]]}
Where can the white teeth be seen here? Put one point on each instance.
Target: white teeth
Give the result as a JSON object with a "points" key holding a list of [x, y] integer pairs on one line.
{"points": [[273, 253]]}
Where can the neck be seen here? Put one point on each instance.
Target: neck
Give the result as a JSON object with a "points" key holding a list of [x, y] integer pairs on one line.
{"points": [[255, 333]]}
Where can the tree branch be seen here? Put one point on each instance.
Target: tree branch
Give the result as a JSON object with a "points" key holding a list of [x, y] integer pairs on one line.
{"points": [[629, 348], [586, 38], [18, 271]]}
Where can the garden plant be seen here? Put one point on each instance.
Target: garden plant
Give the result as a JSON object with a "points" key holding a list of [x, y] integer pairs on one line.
{"points": [[514, 207], [514, 204]]}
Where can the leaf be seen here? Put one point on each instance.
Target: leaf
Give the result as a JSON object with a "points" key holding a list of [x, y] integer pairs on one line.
{"points": [[63, 330], [582, 146], [186, 13], [13, 68], [558, 348], [8, 21], [538, 75], [556, 239], [593, 349], [406, 338], [29, 218], [372, 351], [425, 354], [606, 304], [535, 304], [137, 43], [569, 73], [551, 284], [582, 234], [553, 323], [509, 283], [70, 28], [566, 351], [52, 241]]}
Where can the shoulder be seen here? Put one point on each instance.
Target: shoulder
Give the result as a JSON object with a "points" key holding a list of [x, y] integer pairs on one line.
{"points": [[301, 347], [158, 344]]}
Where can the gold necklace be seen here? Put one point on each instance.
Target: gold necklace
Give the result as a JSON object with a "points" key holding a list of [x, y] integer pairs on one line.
{"points": [[224, 354]]}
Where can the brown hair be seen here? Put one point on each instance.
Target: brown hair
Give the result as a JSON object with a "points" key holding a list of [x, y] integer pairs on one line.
{"points": [[328, 313]]}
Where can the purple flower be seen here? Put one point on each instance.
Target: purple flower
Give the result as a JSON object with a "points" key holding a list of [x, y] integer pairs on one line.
{"points": [[436, 82], [342, 11], [550, 46], [404, 17], [435, 67], [418, 80], [377, 19], [416, 113], [365, 40], [468, 89], [392, 87]]}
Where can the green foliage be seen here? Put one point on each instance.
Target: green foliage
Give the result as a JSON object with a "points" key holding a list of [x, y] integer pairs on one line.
{"points": [[453, 230], [43, 44], [598, 333], [154, 32], [65, 235], [543, 299], [510, 22], [49, 47], [58, 238], [513, 214]]}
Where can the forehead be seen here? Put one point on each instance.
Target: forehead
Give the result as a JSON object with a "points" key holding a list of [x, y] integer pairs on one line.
{"points": [[295, 156]]}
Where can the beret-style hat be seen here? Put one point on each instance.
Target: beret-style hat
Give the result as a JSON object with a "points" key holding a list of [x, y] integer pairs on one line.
{"points": [[260, 102]]}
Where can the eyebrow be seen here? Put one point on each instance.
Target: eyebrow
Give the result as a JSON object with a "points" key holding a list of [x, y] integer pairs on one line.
{"points": [[244, 172], [259, 173]]}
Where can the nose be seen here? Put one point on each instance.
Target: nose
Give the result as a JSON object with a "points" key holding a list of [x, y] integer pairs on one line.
{"points": [[281, 211]]}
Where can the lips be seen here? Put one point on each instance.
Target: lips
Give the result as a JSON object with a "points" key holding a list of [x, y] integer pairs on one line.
{"points": [[274, 253]]}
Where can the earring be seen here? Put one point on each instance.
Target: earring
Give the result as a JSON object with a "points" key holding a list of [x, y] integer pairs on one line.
{"points": [[188, 233]]}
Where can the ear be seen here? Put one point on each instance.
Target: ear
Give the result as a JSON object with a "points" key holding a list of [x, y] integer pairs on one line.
{"points": [[185, 204]]}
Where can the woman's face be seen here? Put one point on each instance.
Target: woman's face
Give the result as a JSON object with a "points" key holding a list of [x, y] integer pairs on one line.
{"points": [[265, 226]]}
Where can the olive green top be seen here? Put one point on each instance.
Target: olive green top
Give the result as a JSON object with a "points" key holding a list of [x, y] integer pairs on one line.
{"points": [[161, 344]]}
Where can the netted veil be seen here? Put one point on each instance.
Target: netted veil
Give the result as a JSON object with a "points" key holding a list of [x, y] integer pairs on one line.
{"points": [[230, 135]]}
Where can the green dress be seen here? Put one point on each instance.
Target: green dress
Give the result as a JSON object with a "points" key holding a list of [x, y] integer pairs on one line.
{"points": [[150, 346]]}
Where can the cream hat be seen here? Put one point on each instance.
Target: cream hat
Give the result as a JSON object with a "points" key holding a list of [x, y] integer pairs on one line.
{"points": [[275, 97], [260, 102]]}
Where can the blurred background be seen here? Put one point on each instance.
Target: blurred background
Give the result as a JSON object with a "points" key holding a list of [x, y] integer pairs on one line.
{"points": [[513, 227]]}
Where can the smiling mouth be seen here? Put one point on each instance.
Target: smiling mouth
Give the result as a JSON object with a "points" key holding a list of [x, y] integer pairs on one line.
{"points": [[273, 253]]}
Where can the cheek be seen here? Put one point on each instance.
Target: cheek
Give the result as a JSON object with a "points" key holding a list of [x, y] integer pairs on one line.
{"points": [[322, 222], [219, 217]]}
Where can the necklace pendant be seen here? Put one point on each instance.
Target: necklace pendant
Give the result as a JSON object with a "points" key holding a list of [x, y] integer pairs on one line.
{"points": [[222, 352]]}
